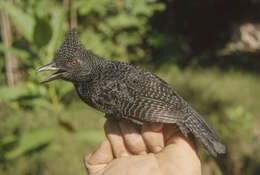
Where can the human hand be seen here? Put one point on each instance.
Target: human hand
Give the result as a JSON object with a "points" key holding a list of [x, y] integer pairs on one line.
{"points": [[155, 149]]}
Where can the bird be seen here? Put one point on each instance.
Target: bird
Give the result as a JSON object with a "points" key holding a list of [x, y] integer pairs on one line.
{"points": [[127, 92]]}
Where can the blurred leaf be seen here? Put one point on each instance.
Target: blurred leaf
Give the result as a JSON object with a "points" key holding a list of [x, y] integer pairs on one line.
{"points": [[22, 54], [35, 102], [8, 139], [42, 32], [91, 136], [57, 22], [30, 141], [240, 119], [66, 125], [123, 21], [9, 93], [66, 87], [18, 52], [93, 6], [23, 22]]}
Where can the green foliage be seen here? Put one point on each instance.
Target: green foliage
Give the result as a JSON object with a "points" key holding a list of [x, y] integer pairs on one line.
{"points": [[57, 22], [44, 34], [30, 141], [11, 94], [43, 128], [39, 138], [22, 21], [22, 54], [237, 116], [118, 28], [93, 137]]}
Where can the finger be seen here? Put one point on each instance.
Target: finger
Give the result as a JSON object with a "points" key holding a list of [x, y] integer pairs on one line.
{"points": [[134, 165], [169, 131], [177, 155], [115, 138], [133, 138], [172, 131], [102, 155], [153, 136], [97, 161]]}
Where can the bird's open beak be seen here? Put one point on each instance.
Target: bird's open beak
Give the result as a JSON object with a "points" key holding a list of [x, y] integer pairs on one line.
{"points": [[51, 67]]}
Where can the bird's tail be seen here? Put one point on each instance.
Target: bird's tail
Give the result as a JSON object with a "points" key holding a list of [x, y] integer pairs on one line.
{"points": [[199, 127]]}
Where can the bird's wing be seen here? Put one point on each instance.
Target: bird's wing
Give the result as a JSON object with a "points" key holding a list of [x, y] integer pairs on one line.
{"points": [[152, 101]]}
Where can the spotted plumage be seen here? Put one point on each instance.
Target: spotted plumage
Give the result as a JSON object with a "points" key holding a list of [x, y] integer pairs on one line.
{"points": [[124, 91]]}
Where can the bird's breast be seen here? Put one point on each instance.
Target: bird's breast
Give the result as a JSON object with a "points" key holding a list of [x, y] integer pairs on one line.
{"points": [[84, 92], [95, 97]]}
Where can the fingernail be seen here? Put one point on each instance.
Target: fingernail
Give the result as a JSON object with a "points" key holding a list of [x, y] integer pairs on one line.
{"points": [[157, 149]]}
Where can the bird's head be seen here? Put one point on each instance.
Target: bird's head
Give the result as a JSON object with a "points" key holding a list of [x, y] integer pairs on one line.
{"points": [[71, 62]]}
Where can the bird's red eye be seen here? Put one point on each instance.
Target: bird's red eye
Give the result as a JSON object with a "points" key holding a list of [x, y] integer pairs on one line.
{"points": [[73, 62]]}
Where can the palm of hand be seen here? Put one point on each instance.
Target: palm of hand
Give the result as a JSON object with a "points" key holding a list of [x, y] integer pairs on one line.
{"points": [[156, 149]]}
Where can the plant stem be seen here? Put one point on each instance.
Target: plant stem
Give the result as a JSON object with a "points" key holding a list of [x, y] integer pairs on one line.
{"points": [[11, 62]]}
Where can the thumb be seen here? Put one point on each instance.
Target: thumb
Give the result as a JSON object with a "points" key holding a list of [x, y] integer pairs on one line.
{"points": [[96, 162]]}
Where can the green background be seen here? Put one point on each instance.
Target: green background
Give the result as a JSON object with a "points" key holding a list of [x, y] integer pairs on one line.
{"points": [[47, 129]]}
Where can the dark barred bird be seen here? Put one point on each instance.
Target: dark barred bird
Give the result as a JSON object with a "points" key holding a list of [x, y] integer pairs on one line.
{"points": [[124, 91]]}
